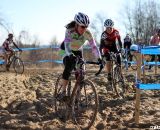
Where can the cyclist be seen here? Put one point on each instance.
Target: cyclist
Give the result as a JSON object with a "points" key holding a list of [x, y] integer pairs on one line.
{"points": [[110, 41], [7, 50], [75, 36], [127, 44], [155, 40]]}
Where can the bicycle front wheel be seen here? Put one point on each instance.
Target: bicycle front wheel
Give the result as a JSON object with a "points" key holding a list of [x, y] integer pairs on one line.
{"points": [[85, 105], [18, 65], [118, 82]]}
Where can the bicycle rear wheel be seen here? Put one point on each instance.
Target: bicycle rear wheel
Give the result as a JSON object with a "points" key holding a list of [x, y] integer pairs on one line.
{"points": [[85, 105], [18, 65], [118, 82], [60, 105]]}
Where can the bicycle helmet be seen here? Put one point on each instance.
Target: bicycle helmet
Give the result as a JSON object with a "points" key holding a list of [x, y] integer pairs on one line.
{"points": [[10, 35], [134, 47], [108, 23], [82, 19]]}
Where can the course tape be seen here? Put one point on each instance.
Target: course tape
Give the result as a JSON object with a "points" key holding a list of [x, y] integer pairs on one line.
{"points": [[42, 61], [39, 61], [1, 62], [39, 48], [148, 86], [151, 50], [44, 47]]}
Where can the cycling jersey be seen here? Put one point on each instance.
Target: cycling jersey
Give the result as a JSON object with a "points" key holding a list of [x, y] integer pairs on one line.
{"points": [[109, 41], [6, 45], [74, 41], [155, 40], [127, 42]]}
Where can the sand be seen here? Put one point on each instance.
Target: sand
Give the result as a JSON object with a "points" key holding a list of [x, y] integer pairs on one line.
{"points": [[27, 103]]}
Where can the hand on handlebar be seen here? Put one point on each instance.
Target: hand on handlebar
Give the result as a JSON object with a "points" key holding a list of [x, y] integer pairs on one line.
{"points": [[20, 50], [101, 66]]}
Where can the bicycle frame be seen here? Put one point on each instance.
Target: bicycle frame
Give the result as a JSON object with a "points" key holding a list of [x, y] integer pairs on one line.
{"points": [[79, 75], [12, 58]]}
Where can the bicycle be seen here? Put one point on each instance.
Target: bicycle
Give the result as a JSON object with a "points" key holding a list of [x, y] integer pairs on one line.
{"points": [[117, 83], [81, 100], [16, 62]]}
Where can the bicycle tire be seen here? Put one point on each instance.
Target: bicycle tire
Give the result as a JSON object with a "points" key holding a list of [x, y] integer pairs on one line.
{"points": [[83, 103], [18, 65], [118, 82]]}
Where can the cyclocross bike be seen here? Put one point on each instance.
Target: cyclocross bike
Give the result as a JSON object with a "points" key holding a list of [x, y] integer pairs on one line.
{"points": [[117, 82], [16, 62], [81, 101]]}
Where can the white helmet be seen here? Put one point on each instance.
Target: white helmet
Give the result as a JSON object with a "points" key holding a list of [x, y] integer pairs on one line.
{"points": [[134, 47], [108, 23], [82, 19]]}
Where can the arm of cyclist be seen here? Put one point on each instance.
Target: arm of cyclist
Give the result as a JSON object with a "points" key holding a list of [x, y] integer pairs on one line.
{"points": [[67, 42], [16, 46], [94, 47]]}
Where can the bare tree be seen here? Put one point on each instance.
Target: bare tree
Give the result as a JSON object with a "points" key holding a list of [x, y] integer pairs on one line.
{"points": [[24, 38], [4, 25], [97, 26], [142, 19], [54, 41]]}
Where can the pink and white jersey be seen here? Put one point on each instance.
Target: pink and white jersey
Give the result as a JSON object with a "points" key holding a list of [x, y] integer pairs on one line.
{"points": [[74, 41]]}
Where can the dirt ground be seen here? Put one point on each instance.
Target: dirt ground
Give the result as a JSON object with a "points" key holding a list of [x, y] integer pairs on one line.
{"points": [[27, 102]]}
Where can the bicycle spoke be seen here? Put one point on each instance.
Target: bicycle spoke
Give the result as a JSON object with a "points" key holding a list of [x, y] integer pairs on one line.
{"points": [[119, 84], [18, 65], [84, 107]]}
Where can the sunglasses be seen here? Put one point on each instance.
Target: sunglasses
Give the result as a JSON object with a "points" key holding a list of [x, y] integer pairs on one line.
{"points": [[83, 27], [109, 28]]}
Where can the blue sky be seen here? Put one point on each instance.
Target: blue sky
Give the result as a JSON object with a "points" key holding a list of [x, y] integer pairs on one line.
{"points": [[47, 18]]}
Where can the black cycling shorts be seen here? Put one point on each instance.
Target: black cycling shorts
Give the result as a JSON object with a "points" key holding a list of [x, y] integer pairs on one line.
{"points": [[69, 63]]}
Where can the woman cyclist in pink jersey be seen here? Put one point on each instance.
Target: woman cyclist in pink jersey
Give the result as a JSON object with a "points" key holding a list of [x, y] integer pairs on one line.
{"points": [[75, 36]]}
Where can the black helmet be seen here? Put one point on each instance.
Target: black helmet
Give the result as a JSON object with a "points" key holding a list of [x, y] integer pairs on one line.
{"points": [[10, 35]]}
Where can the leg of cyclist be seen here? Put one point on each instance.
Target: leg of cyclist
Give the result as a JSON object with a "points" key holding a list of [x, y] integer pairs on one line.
{"points": [[69, 66], [119, 61], [9, 54], [69, 63], [108, 66], [108, 69]]}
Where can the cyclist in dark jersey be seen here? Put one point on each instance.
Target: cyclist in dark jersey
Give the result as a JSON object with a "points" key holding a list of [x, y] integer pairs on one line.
{"points": [[75, 36], [110, 41], [127, 44], [7, 49]]}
